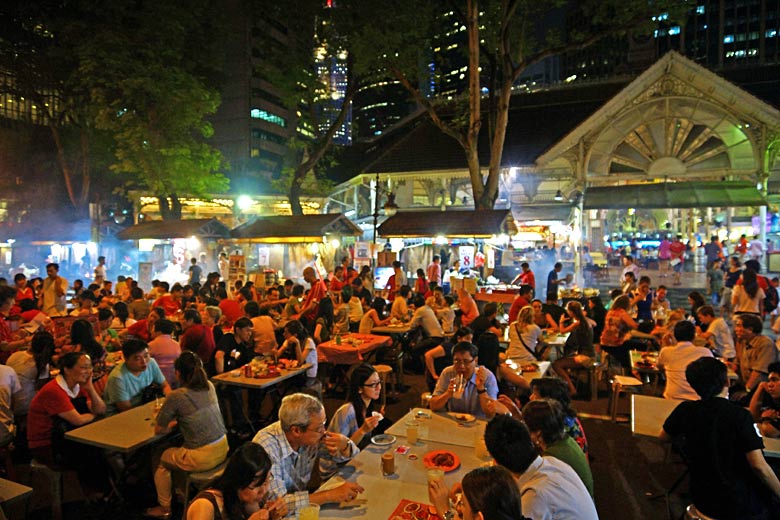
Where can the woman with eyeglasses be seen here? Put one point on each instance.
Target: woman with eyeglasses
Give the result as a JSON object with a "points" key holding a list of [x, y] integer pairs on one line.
{"points": [[194, 408], [241, 491], [355, 418]]}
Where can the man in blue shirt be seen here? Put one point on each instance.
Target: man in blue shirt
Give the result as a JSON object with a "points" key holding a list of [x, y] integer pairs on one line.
{"points": [[127, 380], [553, 281], [479, 388]]}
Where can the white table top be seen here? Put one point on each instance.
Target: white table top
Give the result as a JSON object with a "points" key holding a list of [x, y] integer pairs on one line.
{"points": [[649, 413], [383, 494], [440, 428], [230, 378], [11, 491], [556, 339], [123, 432]]}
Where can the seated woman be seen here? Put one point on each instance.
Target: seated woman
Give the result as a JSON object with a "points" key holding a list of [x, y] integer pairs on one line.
{"points": [[122, 318], [32, 368], [374, 317], [489, 493], [323, 324], [67, 401], [355, 419], [553, 388], [525, 346], [578, 350], [82, 339], [241, 490], [198, 338], [300, 347], [195, 409], [617, 325], [543, 320], [545, 421]]}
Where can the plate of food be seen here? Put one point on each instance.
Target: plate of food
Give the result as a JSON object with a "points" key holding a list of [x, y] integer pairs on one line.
{"points": [[462, 417], [383, 439], [446, 460], [530, 367]]}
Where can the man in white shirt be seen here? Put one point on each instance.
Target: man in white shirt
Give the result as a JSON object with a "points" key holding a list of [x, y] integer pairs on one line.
{"points": [[425, 318], [718, 333], [756, 248], [10, 390], [55, 287], [674, 360], [100, 270], [550, 489]]}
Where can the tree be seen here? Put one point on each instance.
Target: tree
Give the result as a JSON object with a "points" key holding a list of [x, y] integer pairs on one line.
{"points": [[38, 58], [154, 84], [504, 37], [303, 69]]}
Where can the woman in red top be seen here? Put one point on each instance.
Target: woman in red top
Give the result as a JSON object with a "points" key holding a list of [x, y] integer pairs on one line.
{"points": [[8, 342], [199, 339], [421, 284], [23, 291], [142, 329], [71, 399]]}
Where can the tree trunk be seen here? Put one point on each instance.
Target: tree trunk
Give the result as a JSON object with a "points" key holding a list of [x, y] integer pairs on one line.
{"points": [[475, 101], [64, 167], [295, 194]]}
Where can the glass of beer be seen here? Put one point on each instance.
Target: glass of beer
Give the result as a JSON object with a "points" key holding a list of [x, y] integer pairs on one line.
{"points": [[310, 512]]}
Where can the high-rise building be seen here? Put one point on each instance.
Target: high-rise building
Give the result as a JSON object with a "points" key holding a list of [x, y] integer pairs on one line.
{"points": [[252, 125]]}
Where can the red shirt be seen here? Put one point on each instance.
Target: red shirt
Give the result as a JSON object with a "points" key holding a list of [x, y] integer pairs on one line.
{"points": [[50, 400], [139, 329], [528, 278], [231, 309], [168, 304], [337, 285], [199, 339], [678, 250], [24, 294], [317, 292], [518, 304]]}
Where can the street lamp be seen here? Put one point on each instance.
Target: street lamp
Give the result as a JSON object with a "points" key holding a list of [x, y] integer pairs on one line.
{"points": [[390, 207]]}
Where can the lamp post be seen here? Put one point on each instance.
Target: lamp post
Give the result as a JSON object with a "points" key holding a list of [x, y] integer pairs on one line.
{"points": [[390, 207]]}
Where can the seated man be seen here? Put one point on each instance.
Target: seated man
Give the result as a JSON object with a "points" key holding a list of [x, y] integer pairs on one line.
{"points": [[524, 297], [729, 477], [549, 487], [425, 318], [440, 357], [765, 403], [487, 322], [479, 384], [400, 310], [674, 360], [756, 353], [293, 443], [127, 380], [717, 333]]}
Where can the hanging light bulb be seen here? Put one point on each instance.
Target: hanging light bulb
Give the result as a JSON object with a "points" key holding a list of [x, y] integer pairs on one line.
{"points": [[558, 196]]}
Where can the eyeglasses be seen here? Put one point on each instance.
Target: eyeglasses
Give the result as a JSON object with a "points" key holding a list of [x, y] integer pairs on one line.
{"points": [[320, 428], [462, 362], [374, 385]]}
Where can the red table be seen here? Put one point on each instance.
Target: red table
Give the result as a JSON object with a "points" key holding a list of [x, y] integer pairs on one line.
{"points": [[347, 353]]}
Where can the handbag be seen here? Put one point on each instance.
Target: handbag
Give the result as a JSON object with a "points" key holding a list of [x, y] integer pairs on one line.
{"points": [[536, 356], [152, 392]]}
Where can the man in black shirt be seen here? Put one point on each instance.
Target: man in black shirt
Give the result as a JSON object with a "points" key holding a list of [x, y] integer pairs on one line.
{"points": [[730, 478], [486, 322], [235, 350]]}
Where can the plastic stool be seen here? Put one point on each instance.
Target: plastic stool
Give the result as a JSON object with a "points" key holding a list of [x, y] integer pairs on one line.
{"points": [[620, 385], [55, 486], [384, 371], [199, 479]]}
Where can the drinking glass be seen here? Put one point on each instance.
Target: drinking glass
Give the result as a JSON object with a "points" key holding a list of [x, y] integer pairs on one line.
{"points": [[310, 512]]}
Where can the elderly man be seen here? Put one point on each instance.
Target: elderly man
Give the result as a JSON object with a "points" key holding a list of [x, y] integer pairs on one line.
{"points": [[127, 380], [53, 300], [729, 476], [293, 443], [478, 386], [550, 489], [756, 353], [317, 292]]}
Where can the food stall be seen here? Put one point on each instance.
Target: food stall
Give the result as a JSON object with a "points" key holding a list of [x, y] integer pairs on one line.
{"points": [[287, 244]]}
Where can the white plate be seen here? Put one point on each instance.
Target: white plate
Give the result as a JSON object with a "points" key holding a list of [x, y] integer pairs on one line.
{"points": [[383, 440], [378, 415], [462, 417]]}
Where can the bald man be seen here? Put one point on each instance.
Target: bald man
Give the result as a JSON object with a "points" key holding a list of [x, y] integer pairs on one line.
{"points": [[317, 292]]}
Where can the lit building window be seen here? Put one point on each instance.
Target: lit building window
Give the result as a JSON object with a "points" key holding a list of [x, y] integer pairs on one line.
{"points": [[729, 38], [257, 113]]}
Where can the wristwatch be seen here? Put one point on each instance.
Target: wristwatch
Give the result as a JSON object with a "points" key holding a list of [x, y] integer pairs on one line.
{"points": [[448, 515], [480, 392]]}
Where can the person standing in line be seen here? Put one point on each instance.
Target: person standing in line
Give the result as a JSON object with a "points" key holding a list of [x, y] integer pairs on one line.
{"points": [[433, 272]]}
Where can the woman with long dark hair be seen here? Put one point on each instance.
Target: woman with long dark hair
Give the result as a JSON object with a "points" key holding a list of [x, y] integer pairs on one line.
{"points": [[489, 493], [617, 323], [298, 345], [240, 492], [122, 318], [696, 299], [748, 297], [323, 325], [374, 317], [195, 409], [598, 313], [578, 350], [32, 367], [82, 339]]}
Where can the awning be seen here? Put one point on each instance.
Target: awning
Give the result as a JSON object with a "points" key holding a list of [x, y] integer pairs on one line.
{"points": [[674, 195], [167, 229], [450, 224], [295, 229], [531, 212]]}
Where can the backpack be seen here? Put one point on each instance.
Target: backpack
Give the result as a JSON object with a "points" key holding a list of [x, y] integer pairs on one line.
{"points": [[771, 298]]}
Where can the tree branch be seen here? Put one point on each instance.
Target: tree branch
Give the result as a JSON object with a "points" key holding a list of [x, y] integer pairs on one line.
{"points": [[426, 104]]}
